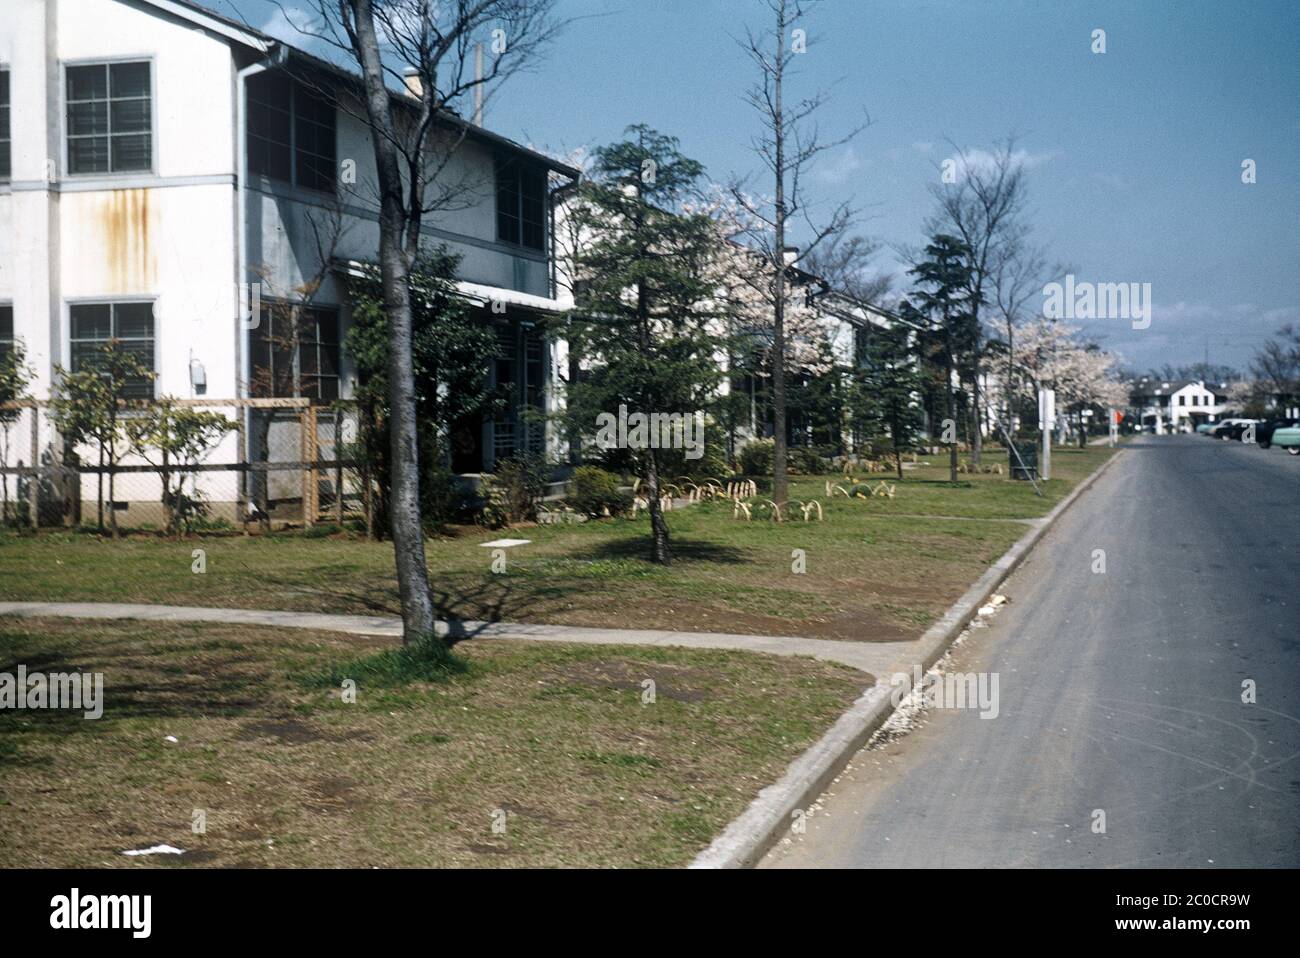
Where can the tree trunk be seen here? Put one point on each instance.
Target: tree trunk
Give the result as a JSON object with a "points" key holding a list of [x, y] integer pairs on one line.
{"points": [[99, 490], [404, 497], [952, 403], [658, 527], [1008, 425], [977, 441], [780, 484], [112, 494], [169, 500]]}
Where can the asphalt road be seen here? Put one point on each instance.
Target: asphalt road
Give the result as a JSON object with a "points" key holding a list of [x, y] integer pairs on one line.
{"points": [[1119, 691]]}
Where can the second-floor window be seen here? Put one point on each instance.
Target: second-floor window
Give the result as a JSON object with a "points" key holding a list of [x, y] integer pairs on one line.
{"points": [[95, 325], [4, 125], [291, 131], [6, 331], [521, 204], [110, 117], [285, 365]]}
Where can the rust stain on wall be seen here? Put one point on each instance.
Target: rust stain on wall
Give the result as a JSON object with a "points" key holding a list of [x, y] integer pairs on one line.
{"points": [[126, 216]]}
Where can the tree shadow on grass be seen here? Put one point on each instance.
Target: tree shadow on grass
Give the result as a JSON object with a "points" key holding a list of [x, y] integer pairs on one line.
{"points": [[944, 483], [343, 599], [493, 600], [680, 549], [148, 676]]}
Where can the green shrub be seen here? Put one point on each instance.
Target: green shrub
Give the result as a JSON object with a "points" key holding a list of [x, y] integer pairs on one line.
{"points": [[756, 457], [514, 490], [595, 490], [806, 462], [440, 498], [709, 465]]}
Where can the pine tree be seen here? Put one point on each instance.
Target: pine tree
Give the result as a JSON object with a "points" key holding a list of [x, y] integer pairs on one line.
{"points": [[647, 322], [890, 381]]}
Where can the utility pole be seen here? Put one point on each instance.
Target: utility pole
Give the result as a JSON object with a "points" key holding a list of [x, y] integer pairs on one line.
{"points": [[1046, 419]]}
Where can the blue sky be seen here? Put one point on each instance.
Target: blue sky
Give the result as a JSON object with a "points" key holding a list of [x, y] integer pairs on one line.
{"points": [[1134, 155]]}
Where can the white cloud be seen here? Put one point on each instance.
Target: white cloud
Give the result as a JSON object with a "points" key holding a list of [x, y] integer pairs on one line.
{"points": [[840, 169], [982, 161], [289, 24]]}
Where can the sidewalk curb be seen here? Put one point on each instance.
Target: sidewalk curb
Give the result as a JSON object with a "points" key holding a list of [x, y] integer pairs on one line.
{"points": [[761, 825]]}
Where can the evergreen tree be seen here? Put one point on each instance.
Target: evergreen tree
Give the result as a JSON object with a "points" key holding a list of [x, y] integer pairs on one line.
{"points": [[942, 295], [890, 383], [647, 322]]}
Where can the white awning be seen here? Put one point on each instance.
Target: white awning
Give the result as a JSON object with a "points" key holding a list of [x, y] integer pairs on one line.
{"points": [[478, 293], [511, 297]]}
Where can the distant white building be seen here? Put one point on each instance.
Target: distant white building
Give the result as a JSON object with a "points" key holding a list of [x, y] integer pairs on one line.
{"points": [[1177, 405]]}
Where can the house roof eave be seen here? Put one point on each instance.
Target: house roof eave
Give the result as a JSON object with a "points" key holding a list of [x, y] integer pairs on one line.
{"points": [[262, 43]]}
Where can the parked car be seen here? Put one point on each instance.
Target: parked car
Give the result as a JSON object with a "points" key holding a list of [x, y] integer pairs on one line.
{"points": [[1264, 431], [1217, 429], [1232, 429], [1238, 430], [1205, 427], [1288, 437]]}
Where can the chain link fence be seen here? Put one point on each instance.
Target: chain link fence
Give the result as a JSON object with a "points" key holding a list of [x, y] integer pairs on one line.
{"points": [[280, 463]]}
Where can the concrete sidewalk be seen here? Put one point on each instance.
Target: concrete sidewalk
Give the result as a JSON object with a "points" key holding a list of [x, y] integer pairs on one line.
{"points": [[875, 658]]}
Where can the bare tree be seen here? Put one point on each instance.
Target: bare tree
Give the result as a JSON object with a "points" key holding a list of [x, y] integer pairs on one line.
{"points": [[432, 48], [787, 146], [982, 207], [844, 262], [1017, 282], [1276, 365]]}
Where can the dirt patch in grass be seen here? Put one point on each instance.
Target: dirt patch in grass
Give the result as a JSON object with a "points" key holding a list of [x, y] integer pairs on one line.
{"points": [[678, 683], [555, 743]]}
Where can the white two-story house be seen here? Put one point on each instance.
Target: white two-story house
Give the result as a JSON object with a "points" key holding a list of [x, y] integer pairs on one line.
{"points": [[1177, 406], [166, 173]]}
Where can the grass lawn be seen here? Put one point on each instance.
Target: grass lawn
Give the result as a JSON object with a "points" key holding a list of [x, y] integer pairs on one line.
{"points": [[556, 737], [877, 570]]}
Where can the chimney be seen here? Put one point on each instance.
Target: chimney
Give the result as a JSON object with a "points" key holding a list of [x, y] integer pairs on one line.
{"points": [[411, 77], [789, 254]]}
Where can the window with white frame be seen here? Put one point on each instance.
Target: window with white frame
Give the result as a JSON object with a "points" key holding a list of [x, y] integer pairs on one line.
{"points": [[109, 117], [93, 326], [4, 125]]}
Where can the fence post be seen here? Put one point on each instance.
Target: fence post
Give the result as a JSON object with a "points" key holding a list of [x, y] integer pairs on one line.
{"points": [[241, 479], [309, 474], [338, 467], [34, 485]]}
